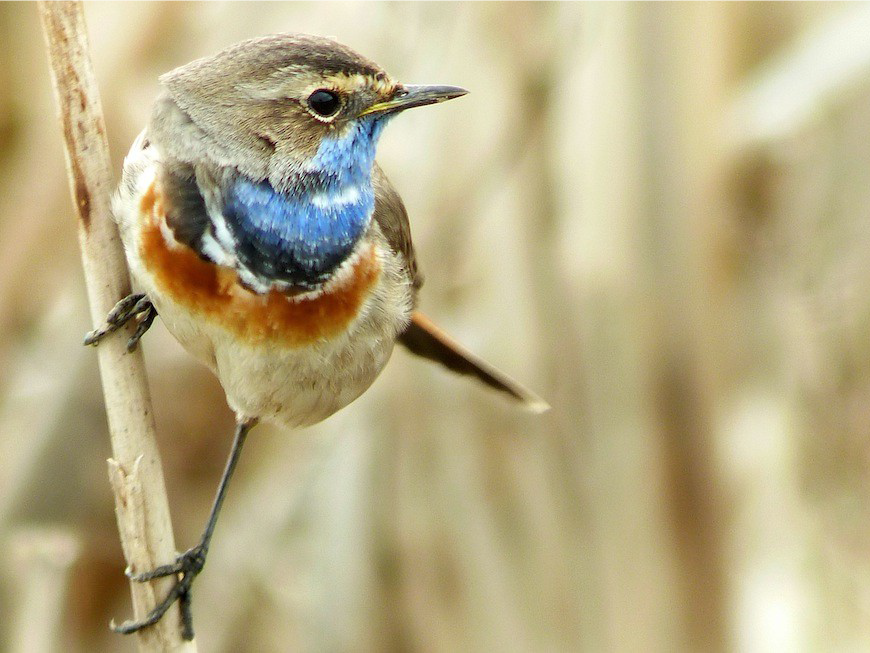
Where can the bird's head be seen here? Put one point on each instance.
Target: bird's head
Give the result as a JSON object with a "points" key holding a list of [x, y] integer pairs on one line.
{"points": [[277, 106]]}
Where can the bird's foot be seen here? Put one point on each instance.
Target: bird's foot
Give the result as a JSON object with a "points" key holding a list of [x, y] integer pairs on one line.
{"points": [[186, 568], [125, 310]]}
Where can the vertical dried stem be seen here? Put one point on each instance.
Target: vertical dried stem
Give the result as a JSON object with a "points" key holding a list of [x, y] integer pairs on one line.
{"points": [[41, 561], [136, 474]]}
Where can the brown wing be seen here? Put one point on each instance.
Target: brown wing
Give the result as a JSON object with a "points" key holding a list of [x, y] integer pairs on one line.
{"points": [[391, 216], [425, 339]]}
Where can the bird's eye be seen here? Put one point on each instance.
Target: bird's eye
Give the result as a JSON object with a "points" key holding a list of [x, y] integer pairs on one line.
{"points": [[324, 103]]}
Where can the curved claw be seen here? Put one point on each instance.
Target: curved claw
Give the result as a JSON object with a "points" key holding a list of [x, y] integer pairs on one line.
{"points": [[130, 626], [125, 310], [188, 564], [149, 313]]}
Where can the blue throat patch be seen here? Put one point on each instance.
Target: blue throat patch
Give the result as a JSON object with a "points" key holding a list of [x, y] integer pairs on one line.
{"points": [[303, 235]]}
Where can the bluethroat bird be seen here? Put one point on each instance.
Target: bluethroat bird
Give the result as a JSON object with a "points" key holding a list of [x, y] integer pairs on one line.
{"points": [[258, 225]]}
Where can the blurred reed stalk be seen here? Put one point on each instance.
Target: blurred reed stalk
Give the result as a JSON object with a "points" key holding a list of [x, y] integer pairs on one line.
{"points": [[41, 561], [137, 479]]}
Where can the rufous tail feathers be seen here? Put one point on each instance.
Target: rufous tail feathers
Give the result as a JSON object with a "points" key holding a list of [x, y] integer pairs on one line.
{"points": [[425, 339]]}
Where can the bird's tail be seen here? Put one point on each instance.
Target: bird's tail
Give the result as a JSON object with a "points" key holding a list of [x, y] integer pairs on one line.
{"points": [[425, 339]]}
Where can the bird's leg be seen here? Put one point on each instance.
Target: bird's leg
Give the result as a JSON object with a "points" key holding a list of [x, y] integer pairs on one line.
{"points": [[123, 312], [191, 562]]}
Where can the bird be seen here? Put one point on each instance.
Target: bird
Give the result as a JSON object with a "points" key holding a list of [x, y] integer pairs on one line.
{"points": [[257, 224]]}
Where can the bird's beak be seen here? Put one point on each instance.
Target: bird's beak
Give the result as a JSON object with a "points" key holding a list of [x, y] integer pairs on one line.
{"points": [[408, 96]]}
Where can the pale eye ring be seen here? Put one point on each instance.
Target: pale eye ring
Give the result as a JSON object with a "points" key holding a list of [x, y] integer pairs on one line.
{"points": [[324, 103]]}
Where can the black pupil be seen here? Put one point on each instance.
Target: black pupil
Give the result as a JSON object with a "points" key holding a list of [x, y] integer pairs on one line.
{"points": [[323, 102]]}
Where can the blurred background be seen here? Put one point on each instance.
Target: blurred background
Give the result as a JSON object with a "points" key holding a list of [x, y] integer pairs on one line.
{"points": [[655, 215]]}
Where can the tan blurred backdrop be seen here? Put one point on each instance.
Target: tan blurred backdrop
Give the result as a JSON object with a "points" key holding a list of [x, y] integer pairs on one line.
{"points": [[656, 215]]}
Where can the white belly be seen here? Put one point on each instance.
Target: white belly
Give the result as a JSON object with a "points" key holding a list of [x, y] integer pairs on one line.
{"points": [[294, 387]]}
